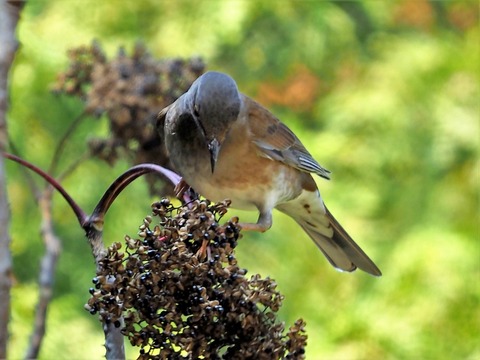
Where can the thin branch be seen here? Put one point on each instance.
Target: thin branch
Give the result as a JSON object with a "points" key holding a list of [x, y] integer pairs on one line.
{"points": [[51, 241], [73, 166], [63, 141], [49, 261], [52, 250], [47, 273]]}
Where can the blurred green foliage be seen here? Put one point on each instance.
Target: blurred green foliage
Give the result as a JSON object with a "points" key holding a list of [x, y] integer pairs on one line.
{"points": [[384, 94]]}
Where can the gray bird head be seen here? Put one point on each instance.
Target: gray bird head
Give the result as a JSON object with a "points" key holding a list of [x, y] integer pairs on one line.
{"points": [[214, 102]]}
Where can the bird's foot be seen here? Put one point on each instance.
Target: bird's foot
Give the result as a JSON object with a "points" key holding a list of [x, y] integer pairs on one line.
{"points": [[180, 189], [253, 227], [184, 192], [263, 224]]}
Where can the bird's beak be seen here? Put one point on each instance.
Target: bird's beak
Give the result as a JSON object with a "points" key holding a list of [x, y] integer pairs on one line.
{"points": [[214, 149]]}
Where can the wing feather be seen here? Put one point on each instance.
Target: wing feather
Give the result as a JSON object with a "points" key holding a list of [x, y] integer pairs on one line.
{"points": [[277, 142]]}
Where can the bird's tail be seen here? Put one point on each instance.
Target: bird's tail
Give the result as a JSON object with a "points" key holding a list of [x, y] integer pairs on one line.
{"points": [[309, 211]]}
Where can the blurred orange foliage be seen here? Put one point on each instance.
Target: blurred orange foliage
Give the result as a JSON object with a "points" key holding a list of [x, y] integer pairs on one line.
{"points": [[415, 13], [298, 91]]}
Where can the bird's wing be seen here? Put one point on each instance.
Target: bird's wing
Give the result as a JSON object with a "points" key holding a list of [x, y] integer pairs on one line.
{"points": [[277, 142]]}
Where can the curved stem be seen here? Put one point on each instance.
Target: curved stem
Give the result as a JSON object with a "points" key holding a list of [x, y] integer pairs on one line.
{"points": [[124, 180], [28, 176], [80, 214]]}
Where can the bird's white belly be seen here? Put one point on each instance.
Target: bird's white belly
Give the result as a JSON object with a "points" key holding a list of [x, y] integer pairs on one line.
{"points": [[249, 195], [238, 196]]}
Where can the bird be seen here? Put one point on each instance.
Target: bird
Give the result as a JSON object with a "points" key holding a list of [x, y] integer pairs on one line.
{"points": [[225, 145]]}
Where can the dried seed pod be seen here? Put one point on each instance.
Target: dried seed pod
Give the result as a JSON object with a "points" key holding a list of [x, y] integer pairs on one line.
{"points": [[130, 90], [180, 291]]}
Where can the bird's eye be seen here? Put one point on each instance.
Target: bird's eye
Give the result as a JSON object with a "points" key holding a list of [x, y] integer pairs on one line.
{"points": [[196, 111]]}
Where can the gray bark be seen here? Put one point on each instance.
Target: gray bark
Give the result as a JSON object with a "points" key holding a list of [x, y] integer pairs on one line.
{"points": [[9, 14]]}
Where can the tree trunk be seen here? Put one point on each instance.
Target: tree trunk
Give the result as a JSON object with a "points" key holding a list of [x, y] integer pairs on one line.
{"points": [[9, 14]]}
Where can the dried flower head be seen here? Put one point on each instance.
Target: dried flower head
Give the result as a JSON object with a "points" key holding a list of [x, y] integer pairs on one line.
{"points": [[130, 90], [182, 294]]}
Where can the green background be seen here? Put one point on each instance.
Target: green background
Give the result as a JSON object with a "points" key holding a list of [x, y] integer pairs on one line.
{"points": [[385, 94]]}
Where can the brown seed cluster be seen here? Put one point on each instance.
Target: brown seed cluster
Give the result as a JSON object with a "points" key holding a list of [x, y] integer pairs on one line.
{"points": [[130, 91], [182, 294]]}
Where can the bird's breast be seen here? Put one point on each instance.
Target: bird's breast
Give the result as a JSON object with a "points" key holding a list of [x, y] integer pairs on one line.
{"points": [[251, 181]]}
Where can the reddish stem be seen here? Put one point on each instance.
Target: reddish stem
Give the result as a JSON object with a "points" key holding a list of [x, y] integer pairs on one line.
{"points": [[80, 214]]}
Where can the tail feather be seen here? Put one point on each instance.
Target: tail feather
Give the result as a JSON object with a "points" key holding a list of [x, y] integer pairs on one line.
{"points": [[351, 249], [330, 249], [309, 211]]}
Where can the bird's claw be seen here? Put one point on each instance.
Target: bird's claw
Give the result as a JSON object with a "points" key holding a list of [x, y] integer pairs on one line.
{"points": [[184, 192]]}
